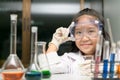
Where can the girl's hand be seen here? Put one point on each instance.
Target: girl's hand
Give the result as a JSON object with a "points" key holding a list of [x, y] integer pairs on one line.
{"points": [[60, 36], [85, 68]]}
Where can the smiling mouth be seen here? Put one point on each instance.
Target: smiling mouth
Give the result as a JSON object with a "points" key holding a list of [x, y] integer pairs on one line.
{"points": [[86, 45]]}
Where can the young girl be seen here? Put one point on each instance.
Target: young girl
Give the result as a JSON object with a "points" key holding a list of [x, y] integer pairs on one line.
{"points": [[87, 24]]}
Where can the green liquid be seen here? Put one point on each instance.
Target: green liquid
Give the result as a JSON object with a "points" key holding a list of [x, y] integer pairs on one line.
{"points": [[46, 73]]}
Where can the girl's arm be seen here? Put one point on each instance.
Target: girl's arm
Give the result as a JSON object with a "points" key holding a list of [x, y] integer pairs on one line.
{"points": [[51, 48]]}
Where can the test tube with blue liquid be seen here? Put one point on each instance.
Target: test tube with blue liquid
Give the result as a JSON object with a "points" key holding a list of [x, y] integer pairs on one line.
{"points": [[112, 60], [106, 52]]}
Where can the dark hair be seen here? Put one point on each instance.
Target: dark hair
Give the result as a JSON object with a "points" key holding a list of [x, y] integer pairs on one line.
{"points": [[71, 47]]}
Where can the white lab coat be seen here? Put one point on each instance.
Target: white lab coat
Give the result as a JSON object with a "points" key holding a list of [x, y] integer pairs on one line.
{"points": [[65, 63]]}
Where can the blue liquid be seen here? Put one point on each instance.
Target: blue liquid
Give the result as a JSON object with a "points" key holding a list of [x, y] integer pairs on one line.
{"points": [[33, 75], [105, 68], [112, 63]]}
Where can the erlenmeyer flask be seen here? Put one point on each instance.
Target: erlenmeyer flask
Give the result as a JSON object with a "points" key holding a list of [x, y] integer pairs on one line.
{"points": [[42, 59], [13, 69], [33, 72]]}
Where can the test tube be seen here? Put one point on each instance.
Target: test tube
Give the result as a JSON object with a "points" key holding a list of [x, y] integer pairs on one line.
{"points": [[98, 54], [118, 58], [105, 59], [112, 60], [69, 28]]}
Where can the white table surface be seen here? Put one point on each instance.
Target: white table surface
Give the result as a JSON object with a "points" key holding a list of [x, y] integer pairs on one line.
{"points": [[69, 77], [65, 77]]}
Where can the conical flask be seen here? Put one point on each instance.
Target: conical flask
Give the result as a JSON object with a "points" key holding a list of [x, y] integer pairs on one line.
{"points": [[42, 59], [33, 72], [13, 69]]}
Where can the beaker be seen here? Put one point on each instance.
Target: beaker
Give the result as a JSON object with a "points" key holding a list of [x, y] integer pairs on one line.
{"points": [[33, 72], [42, 59], [13, 69]]}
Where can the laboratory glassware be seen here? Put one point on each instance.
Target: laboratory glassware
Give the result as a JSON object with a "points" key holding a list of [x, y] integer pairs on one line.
{"points": [[118, 58], [13, 69], [106, 52], [33, 73], [42, 59], [98, 54], [112, 60]]}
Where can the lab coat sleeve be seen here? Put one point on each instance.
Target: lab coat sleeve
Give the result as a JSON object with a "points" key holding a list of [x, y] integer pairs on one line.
{"points": [[53, 58], [57, 63]]}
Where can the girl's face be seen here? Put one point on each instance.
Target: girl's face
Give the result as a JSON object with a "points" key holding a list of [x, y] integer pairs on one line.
{"points": [[86, 34]]}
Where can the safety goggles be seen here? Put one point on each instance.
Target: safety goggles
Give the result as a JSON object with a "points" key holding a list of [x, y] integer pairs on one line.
{"points": [[89, 29]]}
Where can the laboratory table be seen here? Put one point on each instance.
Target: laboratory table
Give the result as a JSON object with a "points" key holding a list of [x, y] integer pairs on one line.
{"points": [[69, 77]]}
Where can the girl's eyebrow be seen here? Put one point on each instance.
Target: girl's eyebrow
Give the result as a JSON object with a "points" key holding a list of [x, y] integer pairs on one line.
{"points": [[78, 27]]}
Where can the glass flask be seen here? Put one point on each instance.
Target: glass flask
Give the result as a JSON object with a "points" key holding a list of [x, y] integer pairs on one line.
{"points": [[42, 59], [33, 72], [13, 69]]}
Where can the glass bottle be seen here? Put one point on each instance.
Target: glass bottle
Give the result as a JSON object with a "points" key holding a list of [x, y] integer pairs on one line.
{"points": [[33, 72], [42, 59], [13, 69]]}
